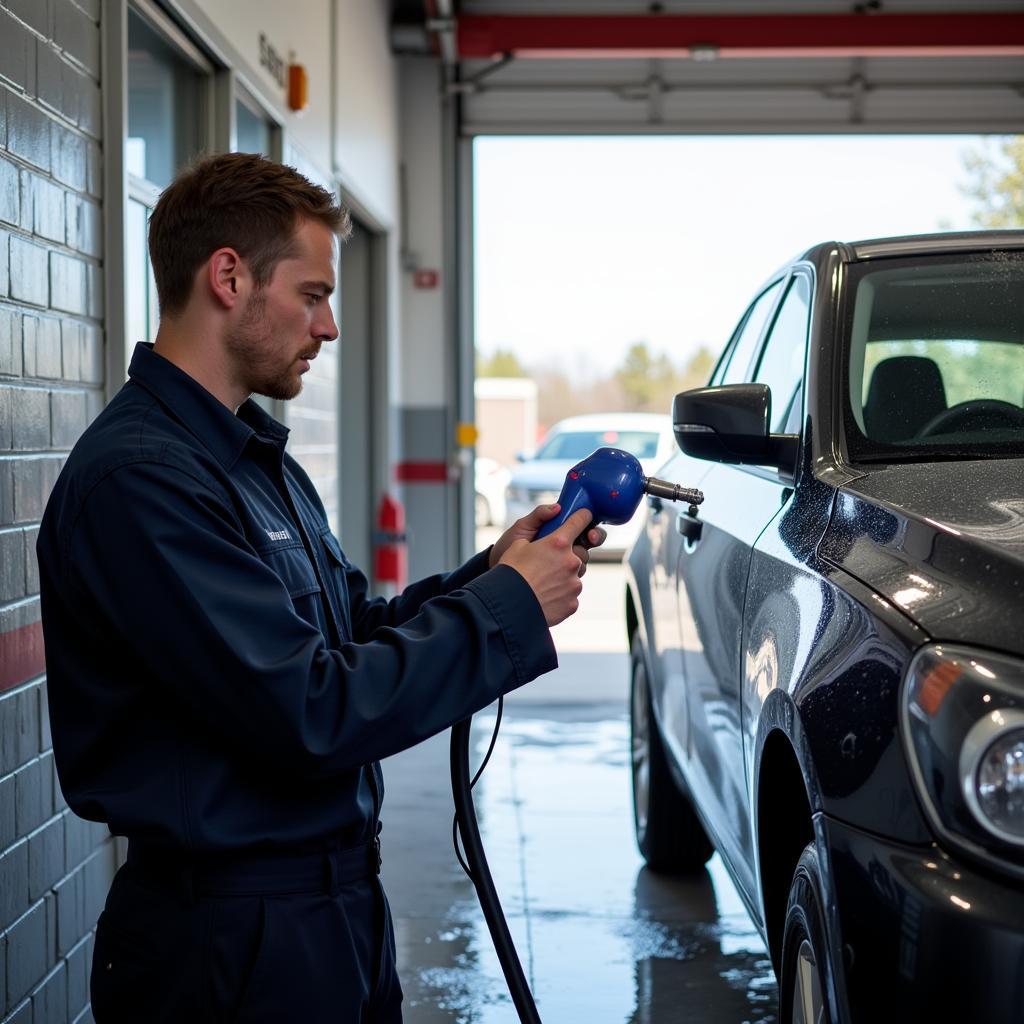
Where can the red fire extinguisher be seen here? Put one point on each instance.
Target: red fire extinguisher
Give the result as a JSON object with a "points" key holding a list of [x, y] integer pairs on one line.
{"points": [[390, 561]]}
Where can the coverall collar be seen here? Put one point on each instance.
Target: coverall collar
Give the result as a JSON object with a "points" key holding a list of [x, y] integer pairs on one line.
{"points": [[224, 434]]}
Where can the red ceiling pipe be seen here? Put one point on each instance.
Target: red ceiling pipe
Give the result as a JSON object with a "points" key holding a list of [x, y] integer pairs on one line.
{"points": [[742, 35]]}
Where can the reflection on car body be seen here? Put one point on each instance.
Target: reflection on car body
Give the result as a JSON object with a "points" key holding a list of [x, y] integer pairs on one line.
{"points": [[828, 659]]}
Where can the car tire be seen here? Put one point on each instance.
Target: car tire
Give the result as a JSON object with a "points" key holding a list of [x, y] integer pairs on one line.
{"points": [[669, 834], [807, 986]]}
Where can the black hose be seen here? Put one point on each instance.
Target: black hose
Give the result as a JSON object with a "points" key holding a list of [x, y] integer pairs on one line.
{"points": [[465, 813]]}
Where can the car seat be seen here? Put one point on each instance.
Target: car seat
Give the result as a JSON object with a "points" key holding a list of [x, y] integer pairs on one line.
{"points": [[904, 394]]}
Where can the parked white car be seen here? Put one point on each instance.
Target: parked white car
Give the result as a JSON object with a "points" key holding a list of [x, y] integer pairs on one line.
{"points": [[491, 481], [538, 480]]}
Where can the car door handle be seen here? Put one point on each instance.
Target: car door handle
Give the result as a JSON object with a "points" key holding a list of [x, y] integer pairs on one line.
{"points": [[689, 527]]}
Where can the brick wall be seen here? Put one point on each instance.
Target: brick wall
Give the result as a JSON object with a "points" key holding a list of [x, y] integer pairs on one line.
{"points": [[54, 868]]}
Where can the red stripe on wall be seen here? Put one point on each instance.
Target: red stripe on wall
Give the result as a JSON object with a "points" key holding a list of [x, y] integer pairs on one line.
{"points": [[421, 472], [21, 655]]}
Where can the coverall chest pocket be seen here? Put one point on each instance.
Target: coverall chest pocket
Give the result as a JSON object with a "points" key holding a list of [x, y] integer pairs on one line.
{"points": [[338, 567], [291, 564]]}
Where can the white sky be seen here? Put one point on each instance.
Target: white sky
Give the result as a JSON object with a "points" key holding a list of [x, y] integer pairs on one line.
{"points": [[586, 245]]}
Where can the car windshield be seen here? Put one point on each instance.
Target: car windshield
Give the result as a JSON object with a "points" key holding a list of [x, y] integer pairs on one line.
{"points": [[936, 357], [578, 444]]}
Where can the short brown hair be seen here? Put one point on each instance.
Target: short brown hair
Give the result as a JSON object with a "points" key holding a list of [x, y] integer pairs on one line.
{"points": [[240, 200]]}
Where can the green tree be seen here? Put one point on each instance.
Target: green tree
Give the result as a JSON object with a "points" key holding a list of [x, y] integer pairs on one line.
{"points": [[997, 183], [642, 377], [501, 363], [697, 371]]}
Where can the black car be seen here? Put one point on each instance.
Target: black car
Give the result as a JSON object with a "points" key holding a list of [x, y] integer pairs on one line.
{"points": [[828, 655]]}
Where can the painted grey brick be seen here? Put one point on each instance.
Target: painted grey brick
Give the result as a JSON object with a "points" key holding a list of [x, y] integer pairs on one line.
{"points": [[92, 354], [3, 971], [6, 497], [71, 922], [26, 953], [10, 342], [30, 409], [25, 206], [78, 977], [12, 565], [71, 349], [32, 587], [19, 728], [91, 7], [29, 274], [5, 266], [94, 284], [22, 1015], [28, 132], [15, 43], [40, 344], [50, 78], [13, 884], [50, 999], [7, 829], [70, 156], [84, 225], [6, 423], [77, 35], [85, 1017], [78, 841], [47, 210], [33, 480], [94, 403], [69, 284], [35, 13], [33, 795], [45, 739], [59, 803], [68, 417], [10, 193], [90, 101], [45, 858]]}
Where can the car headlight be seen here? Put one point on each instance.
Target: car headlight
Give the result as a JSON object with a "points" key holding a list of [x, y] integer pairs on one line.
{"points": [[963, 721]]}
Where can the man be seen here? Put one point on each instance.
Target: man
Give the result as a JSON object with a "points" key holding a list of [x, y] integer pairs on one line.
{"points": [[221, 685]]}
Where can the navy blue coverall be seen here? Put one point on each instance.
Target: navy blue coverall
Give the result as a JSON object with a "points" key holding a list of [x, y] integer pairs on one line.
{"points": [[221, 688]]}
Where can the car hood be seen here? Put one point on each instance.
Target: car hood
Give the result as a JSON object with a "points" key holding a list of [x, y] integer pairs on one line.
{"points": [[942, 541]]}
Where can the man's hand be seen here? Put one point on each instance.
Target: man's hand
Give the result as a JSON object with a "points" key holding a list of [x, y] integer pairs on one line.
{"points": [[551, 566], [527, 527]]}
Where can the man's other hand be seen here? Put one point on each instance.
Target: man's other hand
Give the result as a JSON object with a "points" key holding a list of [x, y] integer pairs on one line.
{"points": [[551, 566], [527, 527]]}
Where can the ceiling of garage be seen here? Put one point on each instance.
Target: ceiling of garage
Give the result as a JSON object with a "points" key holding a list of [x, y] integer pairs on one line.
{"points": [[739, 66]]}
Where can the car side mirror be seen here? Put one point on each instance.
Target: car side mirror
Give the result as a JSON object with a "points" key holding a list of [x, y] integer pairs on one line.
{"points": [[730, 423]]}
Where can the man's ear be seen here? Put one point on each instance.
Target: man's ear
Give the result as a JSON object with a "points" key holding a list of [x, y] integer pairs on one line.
{"points": [[228, 277]]}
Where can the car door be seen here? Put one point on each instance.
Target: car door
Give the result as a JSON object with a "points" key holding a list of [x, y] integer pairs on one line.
{"points": [[668, 685], [714, 563]]}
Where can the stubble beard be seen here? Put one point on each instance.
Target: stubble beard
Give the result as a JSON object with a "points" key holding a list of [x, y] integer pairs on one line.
{"points": [[257, 356]]}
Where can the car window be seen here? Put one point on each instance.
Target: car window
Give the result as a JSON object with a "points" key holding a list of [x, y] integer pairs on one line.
{"points": [[578, 444], [935, 358], [734, 369], [781, 365]]}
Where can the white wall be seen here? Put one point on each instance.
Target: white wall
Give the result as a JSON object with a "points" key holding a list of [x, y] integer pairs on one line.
{"points": [[423, 315], [299, 32]]}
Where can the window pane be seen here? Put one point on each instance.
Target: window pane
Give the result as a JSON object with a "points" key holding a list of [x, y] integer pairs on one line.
{"points": [[137, 272], [579, 444], [937, 356], [782, 362], [252, 131], [750, 334], [164, 108]]}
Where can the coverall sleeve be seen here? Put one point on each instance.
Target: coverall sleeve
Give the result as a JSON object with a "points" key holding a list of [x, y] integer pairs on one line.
{"points": [[369, 614], [220, 635]]}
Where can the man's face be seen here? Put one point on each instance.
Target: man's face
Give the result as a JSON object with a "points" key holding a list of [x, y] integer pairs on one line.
{"points": [[282, 326]]}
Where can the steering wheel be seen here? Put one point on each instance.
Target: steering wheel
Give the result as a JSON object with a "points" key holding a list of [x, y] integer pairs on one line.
{"points": [[972, 414]]}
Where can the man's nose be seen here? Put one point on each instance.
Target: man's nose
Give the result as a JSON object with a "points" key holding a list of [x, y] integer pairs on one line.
{"points": [[325, 328]]}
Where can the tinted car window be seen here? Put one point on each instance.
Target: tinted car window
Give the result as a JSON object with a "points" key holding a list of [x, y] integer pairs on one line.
{"points": [[734, 369], [781, 366], [936, 357], [578, 444]]}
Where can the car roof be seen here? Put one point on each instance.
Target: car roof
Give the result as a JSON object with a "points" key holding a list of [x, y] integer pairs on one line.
{"points": [[612, 421]]}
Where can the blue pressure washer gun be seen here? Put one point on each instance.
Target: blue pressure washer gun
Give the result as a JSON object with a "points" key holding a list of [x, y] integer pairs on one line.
{"points": [[611, 484]]}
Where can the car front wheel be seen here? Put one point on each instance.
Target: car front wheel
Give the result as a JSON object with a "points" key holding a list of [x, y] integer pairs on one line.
{"points": [[807, 988], [668, 832]]}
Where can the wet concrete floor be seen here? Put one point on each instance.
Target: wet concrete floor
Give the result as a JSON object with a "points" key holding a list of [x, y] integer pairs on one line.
{"points": [[602, 938]]}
